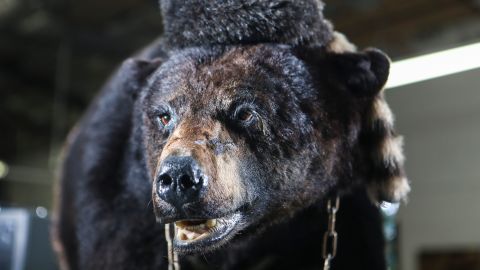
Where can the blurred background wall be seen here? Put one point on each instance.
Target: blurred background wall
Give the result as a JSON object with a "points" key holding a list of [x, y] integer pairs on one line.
{"points": [[440, 120], [55, 55]]}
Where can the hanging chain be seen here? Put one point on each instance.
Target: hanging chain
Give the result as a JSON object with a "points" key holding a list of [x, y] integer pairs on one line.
{"points": [[172, 255], [330, 237]]}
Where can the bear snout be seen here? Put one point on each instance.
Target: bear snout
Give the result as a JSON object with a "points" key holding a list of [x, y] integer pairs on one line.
{"points": [[180, 181]]}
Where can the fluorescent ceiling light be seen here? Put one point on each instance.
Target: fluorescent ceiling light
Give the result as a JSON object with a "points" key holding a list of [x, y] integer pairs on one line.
{"points": [[434, 65]]}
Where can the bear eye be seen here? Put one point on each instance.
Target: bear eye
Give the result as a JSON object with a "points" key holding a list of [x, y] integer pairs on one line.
{"points": [[164, 119], [245, 116]]}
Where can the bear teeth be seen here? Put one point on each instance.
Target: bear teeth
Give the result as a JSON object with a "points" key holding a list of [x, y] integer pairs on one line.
{"points": [[185, 235], [187, 230], [211, 223]]}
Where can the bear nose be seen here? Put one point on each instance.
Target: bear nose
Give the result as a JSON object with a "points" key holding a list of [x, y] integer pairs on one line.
{"points": [[180, 181]]}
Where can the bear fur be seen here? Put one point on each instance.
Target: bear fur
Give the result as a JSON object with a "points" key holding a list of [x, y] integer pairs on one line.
{"points": [[232, 22], [278, 110]]}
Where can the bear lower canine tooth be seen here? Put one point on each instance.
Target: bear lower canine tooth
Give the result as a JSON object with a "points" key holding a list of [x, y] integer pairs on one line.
{"points": [[211, 223]]}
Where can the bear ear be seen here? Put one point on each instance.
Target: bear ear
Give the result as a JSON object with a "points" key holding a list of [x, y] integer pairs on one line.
{"points": [[133, 74], [364, 74]]}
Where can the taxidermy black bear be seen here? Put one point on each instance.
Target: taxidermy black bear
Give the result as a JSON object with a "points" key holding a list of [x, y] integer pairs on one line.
{"points": [[234, 128]]}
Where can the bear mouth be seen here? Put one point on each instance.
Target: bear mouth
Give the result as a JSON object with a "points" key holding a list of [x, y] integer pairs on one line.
{"points": [[203, 235]]}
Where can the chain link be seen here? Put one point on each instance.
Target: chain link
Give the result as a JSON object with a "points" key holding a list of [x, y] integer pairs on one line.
{"points": [[330, 237]]}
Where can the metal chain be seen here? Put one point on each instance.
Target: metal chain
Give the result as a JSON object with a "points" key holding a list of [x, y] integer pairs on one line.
{"points": [[330, 237], [172, 255]]}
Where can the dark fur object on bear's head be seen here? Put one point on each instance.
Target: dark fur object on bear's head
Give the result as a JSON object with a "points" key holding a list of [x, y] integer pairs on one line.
{"points": [[198, 22]]}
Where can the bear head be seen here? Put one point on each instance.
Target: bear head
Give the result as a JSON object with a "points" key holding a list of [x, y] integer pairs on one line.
{"points": [[236, 138]]}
